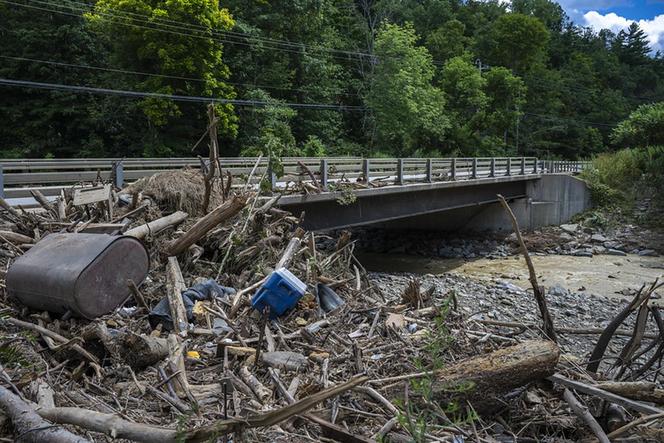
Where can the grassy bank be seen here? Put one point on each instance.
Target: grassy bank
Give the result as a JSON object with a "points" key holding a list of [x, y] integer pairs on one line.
{"points": [[619, 180]]}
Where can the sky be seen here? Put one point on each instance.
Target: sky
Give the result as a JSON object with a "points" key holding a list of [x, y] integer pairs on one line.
{"points": [[617, 15]]}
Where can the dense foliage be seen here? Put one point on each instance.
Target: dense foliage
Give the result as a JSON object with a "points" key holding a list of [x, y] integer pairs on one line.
{"points": [[408, 77], [635, 172]]}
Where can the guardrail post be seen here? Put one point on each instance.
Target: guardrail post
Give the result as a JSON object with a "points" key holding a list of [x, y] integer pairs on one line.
{"points": [[400, 171], [492, 168], [523, 165], [365, 170], [429, 178], [118, 174], [509, 166], [474, 168], [271, 176], [323, 173], [453, 173], [2, 183], [535, 166]]}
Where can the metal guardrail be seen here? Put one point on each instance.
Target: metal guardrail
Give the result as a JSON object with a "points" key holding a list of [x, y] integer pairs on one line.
{"points": [[49, 176]]}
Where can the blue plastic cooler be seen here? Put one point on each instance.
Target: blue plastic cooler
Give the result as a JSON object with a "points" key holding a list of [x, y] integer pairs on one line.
{"points": [[280, 292]]}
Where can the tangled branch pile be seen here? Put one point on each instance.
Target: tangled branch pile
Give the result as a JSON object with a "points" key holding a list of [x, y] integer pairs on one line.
{"points": [[346, 363]]}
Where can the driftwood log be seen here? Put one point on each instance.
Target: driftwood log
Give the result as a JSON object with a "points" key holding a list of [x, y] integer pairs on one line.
{"points": [[175, 286], [119, 428], [157, 225], [538, 291], [30, 427], [485, 379], [15, 237], [222, 212]]}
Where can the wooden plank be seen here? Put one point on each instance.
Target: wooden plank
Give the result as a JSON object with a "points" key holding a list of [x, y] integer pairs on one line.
{"points": [[85, 196]]}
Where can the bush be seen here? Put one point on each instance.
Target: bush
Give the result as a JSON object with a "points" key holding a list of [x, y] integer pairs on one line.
{"points": [[623, 175]]}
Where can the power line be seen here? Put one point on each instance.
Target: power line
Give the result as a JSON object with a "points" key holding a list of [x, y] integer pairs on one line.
{"points": [[175, 77], [553, 117], [187, 27], [160, 27], [226, 33], [182, 98]]}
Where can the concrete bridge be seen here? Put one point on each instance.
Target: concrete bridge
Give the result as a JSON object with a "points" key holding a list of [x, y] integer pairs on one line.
{"points": [[437, 193]]}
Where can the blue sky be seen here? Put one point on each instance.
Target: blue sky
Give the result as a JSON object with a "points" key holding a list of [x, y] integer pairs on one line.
{"points": [[617, 15]]}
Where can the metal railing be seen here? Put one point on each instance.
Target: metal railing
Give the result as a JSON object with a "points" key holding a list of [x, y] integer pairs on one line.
{"points": [[18, 177]]}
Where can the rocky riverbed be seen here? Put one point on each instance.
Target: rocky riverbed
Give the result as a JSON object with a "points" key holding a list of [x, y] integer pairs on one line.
{"points": [[590, 274], [502, 301]]}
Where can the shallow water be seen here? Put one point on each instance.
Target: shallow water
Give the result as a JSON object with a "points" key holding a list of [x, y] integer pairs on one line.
{"points": [[600, 275]]}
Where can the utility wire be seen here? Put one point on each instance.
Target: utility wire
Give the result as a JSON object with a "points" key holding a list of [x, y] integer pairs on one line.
{"points": [[187, 26], [155, 25], [297, 45], [175, 77], [553, 117], [183, 30], [182, 98]]}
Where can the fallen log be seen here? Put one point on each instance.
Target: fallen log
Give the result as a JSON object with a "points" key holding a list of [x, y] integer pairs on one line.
{"points": [[638, 390], [175, 286], [117, 427], [15, 237], [157, 225], [30, 427], [485, 379], [605, 395], [222, 212]]}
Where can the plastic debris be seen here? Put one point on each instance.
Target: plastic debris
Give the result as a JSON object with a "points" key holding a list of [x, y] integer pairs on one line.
{"points": [[279, 293], [328, 299], [206, 290]]}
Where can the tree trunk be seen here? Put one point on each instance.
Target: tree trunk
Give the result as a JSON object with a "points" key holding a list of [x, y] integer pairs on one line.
{"points": [[157, 225], [485, 379], [31, 427], [202, 226]]}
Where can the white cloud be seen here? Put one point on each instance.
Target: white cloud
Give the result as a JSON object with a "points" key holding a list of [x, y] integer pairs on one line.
{"points": [[653, 28]]}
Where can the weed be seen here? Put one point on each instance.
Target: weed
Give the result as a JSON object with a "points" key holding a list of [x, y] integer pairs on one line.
{"points": [[418, 417], [346, 193]]}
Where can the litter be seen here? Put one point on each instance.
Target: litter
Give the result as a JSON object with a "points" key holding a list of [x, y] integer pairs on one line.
{"points": [[279, 293], [85, 274], [206, 290]]}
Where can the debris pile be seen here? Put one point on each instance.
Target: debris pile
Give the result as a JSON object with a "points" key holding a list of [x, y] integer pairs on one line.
{"points": [[248, 328]]}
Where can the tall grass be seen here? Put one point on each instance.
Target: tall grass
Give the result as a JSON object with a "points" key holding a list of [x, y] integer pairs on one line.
{"points": [[623, 176]]}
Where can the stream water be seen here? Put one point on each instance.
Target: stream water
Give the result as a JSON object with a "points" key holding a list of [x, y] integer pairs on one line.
{"points": [[605, 275]]}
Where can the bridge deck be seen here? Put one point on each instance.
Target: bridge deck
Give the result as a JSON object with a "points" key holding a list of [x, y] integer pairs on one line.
{"points": [[50, 176]]}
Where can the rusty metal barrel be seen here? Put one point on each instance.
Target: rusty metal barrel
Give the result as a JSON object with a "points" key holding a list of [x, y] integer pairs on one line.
{"points": [[83, 273]]}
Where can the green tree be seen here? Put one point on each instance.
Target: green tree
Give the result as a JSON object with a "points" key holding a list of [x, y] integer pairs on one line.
{"points": [[407, 108], [448, 41], [267, 130], [632, 45], [466, 102], [644, 127], [141, 42], [506, 95], [549, 12], [37, 122], [517, 41]]}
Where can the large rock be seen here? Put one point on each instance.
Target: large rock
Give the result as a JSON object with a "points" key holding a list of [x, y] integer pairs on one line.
{"points": [[570, 228], [599, 238], [558, 291]]}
